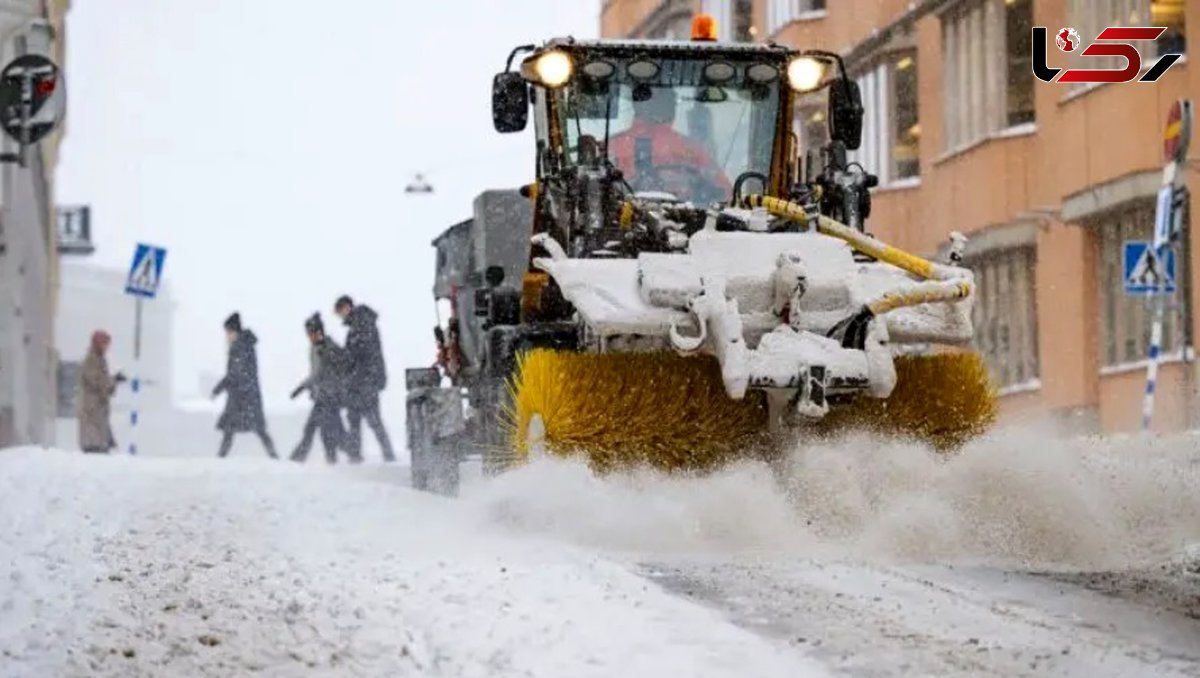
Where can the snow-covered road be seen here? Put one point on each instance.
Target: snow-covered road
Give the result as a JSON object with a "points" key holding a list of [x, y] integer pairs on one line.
{"points": [[869, 559], [937, 621], [129, 567]]}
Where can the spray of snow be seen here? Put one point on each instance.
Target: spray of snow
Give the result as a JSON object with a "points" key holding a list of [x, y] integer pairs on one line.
{"points": [[1017, 497], [642, 512]]}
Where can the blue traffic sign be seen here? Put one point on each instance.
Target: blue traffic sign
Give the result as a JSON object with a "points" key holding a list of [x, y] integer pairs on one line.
{"points": [[1145, 269], [145, 273]]}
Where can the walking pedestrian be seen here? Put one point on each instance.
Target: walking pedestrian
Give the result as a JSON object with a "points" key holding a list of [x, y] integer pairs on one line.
{"points": [[243, 404], [325, 383], [367, 376], [96, 388]]}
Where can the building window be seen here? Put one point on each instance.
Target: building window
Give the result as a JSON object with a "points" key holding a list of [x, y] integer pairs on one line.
{"points": [[906, 123], [988, 79], [891, 125], [722, 11], [782, 12], [1125, 320], [743, 21], [1089, 17], [680, 29], [1018, 36], [1172, 14], [1005, 314], [74, 229], [671, 25]]}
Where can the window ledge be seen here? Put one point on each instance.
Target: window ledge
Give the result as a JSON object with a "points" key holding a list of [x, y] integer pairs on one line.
{"points": [[1013, 132], [904, 184], [1141, 365], [1031, 386], [802, 17], [1023, 130], [1073, 94]]}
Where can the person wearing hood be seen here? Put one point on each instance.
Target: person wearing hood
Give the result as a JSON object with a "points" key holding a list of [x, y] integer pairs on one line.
{"points": [[96, 388], [325, 384], [243, 406], [367, 376]]}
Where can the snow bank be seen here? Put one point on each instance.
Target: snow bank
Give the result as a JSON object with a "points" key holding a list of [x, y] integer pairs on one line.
{"points": [[124, 566]]}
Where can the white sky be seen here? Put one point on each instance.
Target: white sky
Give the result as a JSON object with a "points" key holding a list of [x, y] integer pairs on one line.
{"points": [[267, 143]]}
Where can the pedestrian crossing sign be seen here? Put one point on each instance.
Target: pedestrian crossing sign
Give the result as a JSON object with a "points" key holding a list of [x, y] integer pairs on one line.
{"points": [[145, 273], [1148, 271]]}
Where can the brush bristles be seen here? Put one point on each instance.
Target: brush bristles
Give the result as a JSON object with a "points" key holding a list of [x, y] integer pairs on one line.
{"points": [[634, 409], [670, 412], [943, 400]]}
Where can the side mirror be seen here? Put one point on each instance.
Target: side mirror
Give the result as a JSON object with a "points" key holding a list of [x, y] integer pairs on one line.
{"points": [[494, 275], [510, 102], [846, 113]]}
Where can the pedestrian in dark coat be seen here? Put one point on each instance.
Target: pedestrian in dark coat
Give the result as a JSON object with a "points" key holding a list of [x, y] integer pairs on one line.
{"points": [[96, 388], [243, 405], [368, 376], [325, 385]]}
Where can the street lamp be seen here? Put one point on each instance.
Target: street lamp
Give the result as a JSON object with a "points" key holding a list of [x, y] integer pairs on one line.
{"points": [[419, 185]]}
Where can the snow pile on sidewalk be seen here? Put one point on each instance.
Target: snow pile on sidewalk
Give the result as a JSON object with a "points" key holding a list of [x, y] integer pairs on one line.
{"points": [[118, 566]]}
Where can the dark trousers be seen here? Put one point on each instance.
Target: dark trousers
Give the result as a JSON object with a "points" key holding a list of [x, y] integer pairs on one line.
{"points": [[261, 432], [326, 417], [366, 406]]}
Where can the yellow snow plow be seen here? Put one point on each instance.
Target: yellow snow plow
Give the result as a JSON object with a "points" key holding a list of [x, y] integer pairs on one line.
{"points": [[692, 286], [711, 398]]}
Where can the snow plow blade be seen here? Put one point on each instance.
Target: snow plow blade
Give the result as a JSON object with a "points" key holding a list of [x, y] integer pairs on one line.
{"points": [[672, 413]]}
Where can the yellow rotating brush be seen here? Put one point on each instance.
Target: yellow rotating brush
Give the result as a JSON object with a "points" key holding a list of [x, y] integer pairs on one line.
{"points": [[944, 400], [633, 409], [624, 410]]}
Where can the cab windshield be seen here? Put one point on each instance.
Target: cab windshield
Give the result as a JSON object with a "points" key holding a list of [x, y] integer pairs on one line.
{"points": [[677, 131]]}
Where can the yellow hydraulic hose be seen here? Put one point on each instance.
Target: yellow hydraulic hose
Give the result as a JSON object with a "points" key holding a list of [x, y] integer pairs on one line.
{"points": [[921, 293], [628, 212], [862, 242]]}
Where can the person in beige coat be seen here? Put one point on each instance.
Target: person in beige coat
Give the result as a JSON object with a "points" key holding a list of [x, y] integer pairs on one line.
{"points": [[96, 388]]}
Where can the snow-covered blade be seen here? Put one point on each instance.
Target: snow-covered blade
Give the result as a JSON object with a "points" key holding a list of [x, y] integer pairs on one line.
{"points": [[772, 307]]}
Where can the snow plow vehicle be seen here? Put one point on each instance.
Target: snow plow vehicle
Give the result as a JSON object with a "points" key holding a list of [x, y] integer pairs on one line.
{"points": [[693, 283]]}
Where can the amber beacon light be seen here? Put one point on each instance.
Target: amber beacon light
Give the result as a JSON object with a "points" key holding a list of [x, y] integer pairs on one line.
{"points": [[704, 28]]}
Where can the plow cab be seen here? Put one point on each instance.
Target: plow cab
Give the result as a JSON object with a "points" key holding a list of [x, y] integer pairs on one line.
{"points": [[693, 282]]}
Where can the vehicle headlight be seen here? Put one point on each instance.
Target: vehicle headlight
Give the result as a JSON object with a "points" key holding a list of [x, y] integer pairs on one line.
{"points": [[599, 69], [553, 69], [805, 73], [762, 73]]}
